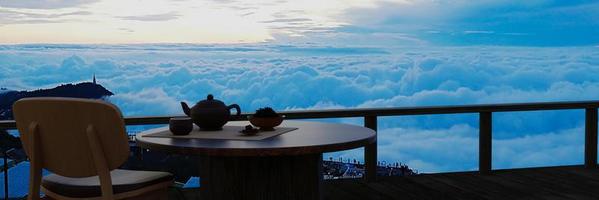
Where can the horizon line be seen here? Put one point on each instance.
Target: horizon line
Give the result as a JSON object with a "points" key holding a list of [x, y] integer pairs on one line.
{"points": [[300, 43]]}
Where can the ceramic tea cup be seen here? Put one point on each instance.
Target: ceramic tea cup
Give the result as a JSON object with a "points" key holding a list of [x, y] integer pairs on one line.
{"points": [[180, 125]]}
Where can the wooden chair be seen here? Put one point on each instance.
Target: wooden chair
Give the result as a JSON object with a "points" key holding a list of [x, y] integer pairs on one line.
{"points": [[82, 142]]}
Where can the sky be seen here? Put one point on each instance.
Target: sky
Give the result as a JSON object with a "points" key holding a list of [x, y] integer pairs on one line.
{"points": [[331, 22]]}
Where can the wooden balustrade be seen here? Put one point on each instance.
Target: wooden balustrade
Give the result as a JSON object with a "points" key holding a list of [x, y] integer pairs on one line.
{"points": [[370, 151], [370, 116], [485, 130], [590, 138]]}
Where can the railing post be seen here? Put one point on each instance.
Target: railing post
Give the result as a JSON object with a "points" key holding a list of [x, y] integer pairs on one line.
{"points": [[5, 174], [590, 139], [370, 151], [485, 142], [6, 153]]}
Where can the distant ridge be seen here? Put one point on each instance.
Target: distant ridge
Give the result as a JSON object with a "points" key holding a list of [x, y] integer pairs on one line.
{"points": [[88, 90]]}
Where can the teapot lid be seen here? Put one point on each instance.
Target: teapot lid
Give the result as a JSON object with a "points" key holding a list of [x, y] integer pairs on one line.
{"points": [[210, 102]]}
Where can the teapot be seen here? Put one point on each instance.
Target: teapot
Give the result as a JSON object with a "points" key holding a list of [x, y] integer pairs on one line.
{"points": [[210, 114]]}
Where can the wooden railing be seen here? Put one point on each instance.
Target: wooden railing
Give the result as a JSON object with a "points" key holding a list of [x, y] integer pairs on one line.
{"points": [[371, 115]]}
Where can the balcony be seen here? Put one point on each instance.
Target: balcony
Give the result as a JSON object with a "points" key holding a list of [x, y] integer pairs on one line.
{"points": [[565, 182], [556, 182]]}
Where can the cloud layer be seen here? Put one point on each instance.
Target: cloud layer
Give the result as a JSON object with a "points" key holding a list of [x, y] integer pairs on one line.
{"points": [[152, 79], [43, 4], [154, 17]]}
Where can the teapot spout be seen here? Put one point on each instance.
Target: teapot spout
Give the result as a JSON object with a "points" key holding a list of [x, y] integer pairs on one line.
{"points": [[186, 109]]}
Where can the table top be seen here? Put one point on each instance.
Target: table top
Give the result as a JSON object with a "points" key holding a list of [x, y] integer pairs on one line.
{"points": [[309, 138]]}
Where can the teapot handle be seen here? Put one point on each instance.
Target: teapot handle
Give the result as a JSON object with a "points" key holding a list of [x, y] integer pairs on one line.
{"points": [[237, 108]]}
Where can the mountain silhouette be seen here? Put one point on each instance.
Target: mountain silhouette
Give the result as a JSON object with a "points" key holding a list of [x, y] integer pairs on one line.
{"points": [[88, 90]]}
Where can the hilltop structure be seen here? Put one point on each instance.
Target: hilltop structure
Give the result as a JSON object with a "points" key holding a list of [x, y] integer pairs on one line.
{"points": [[88, 90]]}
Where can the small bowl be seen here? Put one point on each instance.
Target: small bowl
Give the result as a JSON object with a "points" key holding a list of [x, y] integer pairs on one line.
{"points": [[266, 123], [180, 125]]}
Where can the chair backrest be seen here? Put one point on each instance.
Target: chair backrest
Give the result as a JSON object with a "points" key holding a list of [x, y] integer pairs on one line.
{"points": [[63, 143]]}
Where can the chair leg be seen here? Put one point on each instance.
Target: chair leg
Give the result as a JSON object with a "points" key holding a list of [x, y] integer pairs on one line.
{"points": [[35, 174], [100, 163], [35, 168]]}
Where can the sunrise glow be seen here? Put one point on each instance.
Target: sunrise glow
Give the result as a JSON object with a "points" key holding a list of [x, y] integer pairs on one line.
{"points": [[162, 21]]}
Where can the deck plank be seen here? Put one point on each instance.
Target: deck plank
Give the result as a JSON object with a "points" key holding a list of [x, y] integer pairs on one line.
{"points": [[564, 182], [520, 187]]}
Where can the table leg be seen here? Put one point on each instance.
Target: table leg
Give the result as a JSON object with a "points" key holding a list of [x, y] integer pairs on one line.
{"points": [[268, 177]]}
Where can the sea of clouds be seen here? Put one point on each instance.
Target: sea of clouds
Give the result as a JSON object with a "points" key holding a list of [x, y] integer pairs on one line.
{"points": [[153, 79]]}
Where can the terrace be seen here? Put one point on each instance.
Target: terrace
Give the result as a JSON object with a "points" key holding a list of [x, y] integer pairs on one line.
{"points": [[555, 182]]}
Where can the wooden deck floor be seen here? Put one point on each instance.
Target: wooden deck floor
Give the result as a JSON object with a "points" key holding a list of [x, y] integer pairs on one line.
{"points": [[567, 182]]}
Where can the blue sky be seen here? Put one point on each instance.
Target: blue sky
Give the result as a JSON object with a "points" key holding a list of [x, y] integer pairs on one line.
{"points": [[486, 22], [333, 22]]}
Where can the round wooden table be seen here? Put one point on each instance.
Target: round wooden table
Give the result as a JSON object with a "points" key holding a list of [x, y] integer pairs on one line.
{"points": [[287, 166]]}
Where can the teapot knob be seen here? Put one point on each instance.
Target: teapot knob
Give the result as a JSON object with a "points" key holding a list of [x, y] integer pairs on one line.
{"points": [[210, 97]]}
